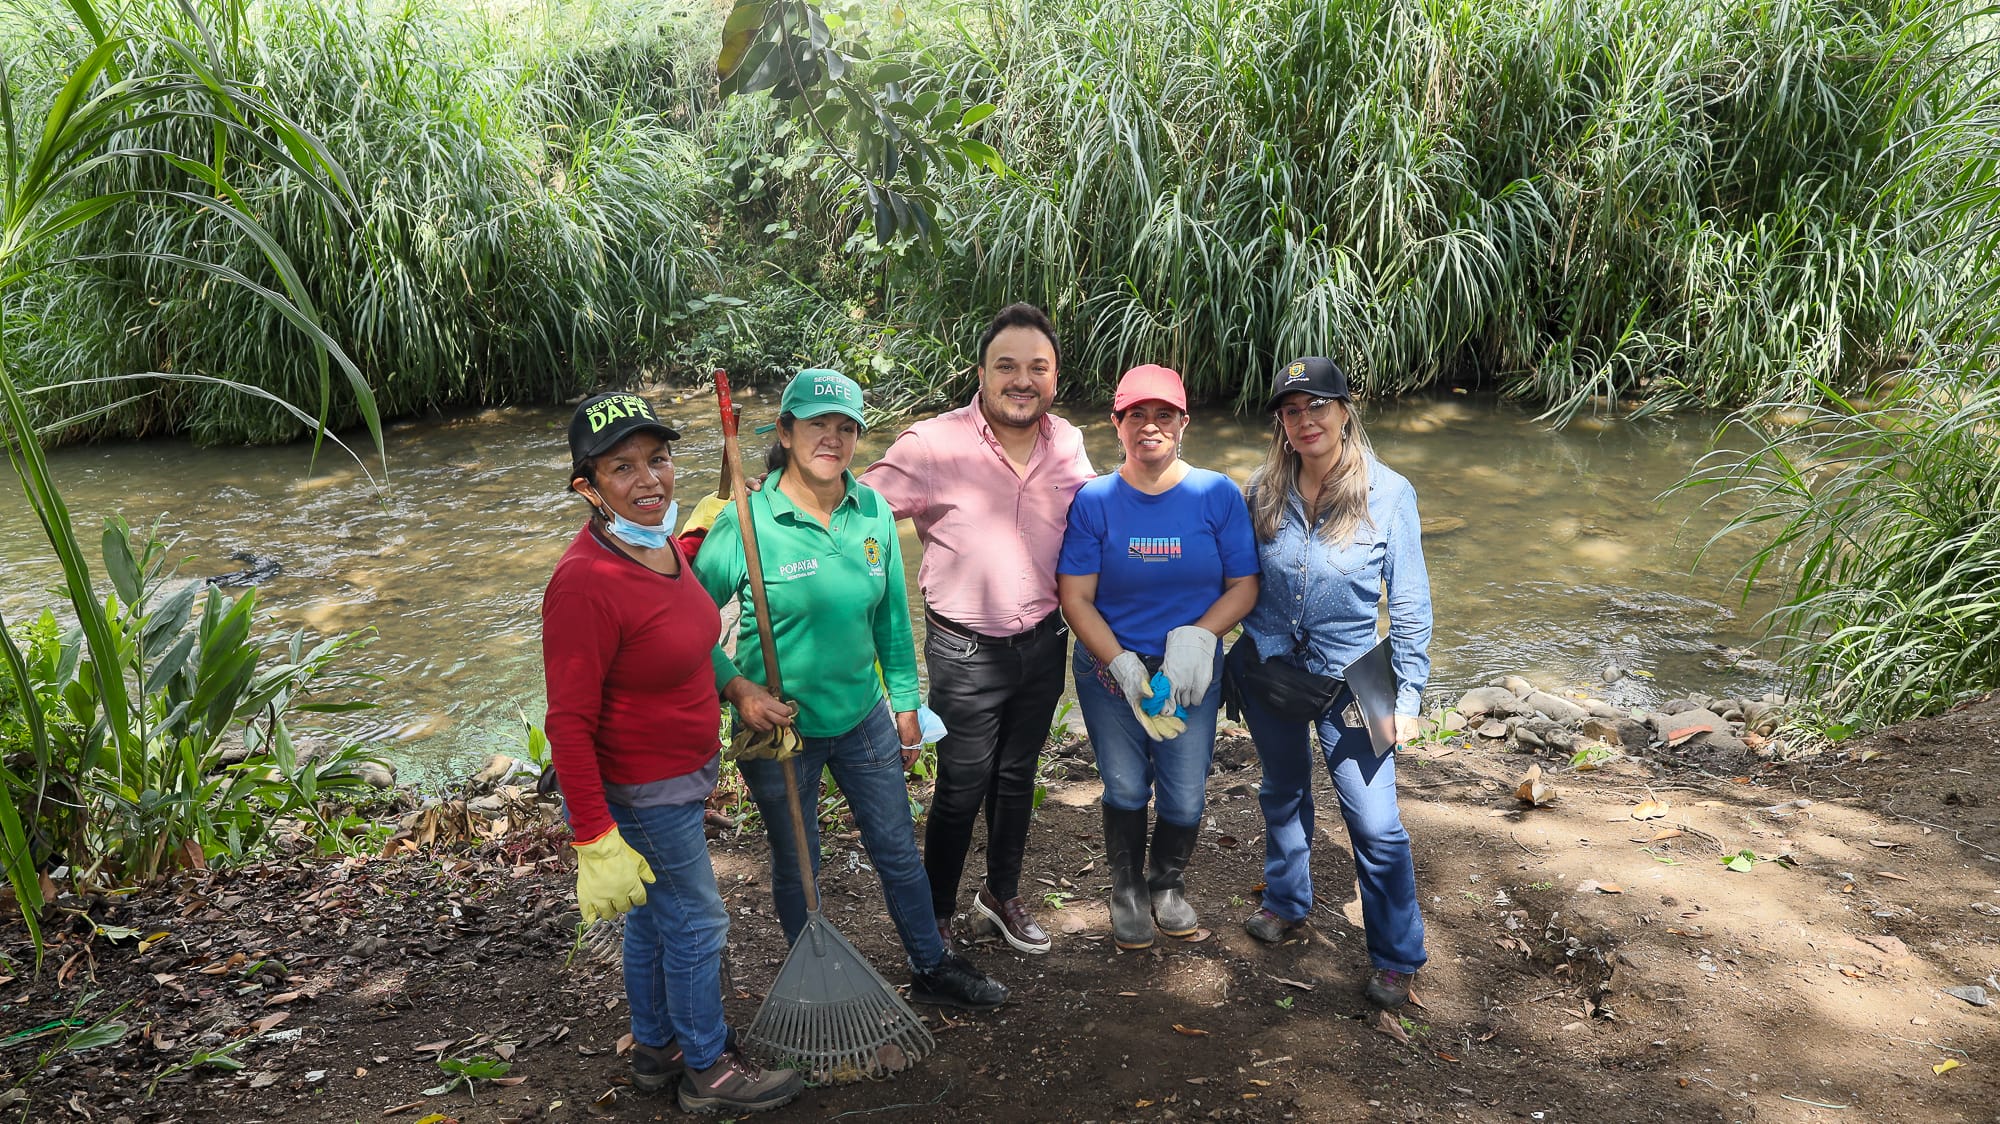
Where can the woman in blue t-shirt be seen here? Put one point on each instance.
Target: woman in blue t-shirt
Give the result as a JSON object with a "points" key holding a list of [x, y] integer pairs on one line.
{"points": [[1157, 563]]}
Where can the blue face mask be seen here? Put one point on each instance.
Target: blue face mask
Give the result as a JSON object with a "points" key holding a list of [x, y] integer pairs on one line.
{"points": [[646, 538]]}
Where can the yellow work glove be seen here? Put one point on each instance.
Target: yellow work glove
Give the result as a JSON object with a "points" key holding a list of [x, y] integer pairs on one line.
{"points": [[1163, 726], [779, 744], [704, 513], [610, 876]]}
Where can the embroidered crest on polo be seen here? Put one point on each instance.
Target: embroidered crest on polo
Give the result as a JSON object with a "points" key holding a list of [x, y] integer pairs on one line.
{"points": [[871, 550]]}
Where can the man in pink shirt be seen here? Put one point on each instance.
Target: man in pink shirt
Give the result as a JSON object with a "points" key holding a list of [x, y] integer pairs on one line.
{"points": [[988, 486]]}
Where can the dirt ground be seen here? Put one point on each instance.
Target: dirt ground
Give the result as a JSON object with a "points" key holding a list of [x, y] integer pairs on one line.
{"points": [[1586, 965]]}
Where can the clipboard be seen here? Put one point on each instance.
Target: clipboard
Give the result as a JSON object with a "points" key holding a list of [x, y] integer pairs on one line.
{"points": [[1373, 683]]}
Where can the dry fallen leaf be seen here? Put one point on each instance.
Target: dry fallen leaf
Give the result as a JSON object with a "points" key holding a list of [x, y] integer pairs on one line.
{"points": [[1890, 875], [1191, 1032], [1532, 790], [1386, 1023], [1650, 810], [435, 1047], [268, 1022], [1945, 1066], [1880, 843], [1589, 884]]}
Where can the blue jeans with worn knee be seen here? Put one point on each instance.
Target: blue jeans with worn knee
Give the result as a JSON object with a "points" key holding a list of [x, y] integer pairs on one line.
{"points": [[867, 764], [1366, 786], [1171, 775], [673, 943]]}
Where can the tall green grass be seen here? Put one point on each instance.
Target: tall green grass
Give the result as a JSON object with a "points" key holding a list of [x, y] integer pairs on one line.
{"points": [[1881, 515], [1563, 198], [530, 223], [109, 765]]}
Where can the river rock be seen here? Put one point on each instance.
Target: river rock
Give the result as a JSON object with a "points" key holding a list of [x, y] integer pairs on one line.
{"points": [[1453, 721], [1675, 706], [1598, 708], [496, 771], [1612, 673], [1972, 993], [1556, 707], [1528, 737], [1492, 728], [1723, 743], [378, 774], [1670, 723], [1483, 701], [1519, 686], [1618, 732]]}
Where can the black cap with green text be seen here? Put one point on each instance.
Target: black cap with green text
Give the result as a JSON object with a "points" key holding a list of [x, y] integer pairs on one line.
{"points": [[603, 420]]}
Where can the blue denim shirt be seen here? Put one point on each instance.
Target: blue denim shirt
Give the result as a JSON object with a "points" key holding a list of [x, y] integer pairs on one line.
{"points": [[1317, 604]]}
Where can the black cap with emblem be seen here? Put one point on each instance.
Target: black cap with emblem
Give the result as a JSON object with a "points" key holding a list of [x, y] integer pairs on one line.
{"points": [[1314, 375], [603, 420]]}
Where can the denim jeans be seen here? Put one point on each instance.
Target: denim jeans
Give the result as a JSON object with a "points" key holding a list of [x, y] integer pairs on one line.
{"points": [[867, 764], [1366, 787], [996, 702], [1173, 774], [673, 943]]}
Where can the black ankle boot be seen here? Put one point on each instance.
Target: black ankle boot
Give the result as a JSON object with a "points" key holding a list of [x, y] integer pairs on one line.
{"points": [[1173, 845], [1125, 851]]}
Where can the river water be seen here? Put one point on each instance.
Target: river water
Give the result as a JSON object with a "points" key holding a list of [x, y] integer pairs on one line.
{"points": [[1551, 552]]}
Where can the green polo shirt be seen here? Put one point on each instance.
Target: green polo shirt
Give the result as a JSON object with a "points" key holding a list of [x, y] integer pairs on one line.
{"points": [[838, 604]]}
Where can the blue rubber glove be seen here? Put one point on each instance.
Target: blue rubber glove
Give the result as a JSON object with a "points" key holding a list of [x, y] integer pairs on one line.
{"points": [[1163, 693]]}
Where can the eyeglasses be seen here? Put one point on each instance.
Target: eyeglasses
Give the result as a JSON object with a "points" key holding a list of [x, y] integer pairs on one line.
{"points": [[1314, 408]]}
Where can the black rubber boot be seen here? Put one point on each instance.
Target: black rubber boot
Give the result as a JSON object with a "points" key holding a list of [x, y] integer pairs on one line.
{"points": [[1173, 845], [1125, 851]]}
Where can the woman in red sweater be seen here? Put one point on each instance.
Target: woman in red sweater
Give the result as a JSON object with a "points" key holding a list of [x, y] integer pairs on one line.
{"points": [[629, 647]]}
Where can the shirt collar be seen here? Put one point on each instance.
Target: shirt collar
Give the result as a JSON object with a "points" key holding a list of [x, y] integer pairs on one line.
{"points": [[1043, 427], [781, 504]]}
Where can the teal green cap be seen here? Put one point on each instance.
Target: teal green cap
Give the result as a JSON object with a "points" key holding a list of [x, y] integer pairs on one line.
{"points": [[816, 390]]}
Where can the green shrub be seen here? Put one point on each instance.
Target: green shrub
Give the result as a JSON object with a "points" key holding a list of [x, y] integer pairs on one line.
{"points": [[122, 809]]}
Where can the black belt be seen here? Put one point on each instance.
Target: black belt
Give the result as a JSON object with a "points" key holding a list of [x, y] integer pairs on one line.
{"points": [[1051, 623]]}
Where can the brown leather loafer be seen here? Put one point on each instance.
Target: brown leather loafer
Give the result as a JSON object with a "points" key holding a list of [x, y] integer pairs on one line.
{"points": [[1015, 924]]}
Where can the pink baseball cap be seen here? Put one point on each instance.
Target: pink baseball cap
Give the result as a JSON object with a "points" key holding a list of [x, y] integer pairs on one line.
{"points": [[1150, 383]]}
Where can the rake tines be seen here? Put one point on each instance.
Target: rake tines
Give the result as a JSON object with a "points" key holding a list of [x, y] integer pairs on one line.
{"points": [[832, 1016]]}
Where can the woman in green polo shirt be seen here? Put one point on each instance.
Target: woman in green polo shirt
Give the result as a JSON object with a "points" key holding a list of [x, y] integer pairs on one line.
{"points": [[833, 573]]}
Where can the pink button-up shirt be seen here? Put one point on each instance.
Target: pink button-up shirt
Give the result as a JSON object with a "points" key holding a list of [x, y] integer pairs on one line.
{"points": [[990, 536]]}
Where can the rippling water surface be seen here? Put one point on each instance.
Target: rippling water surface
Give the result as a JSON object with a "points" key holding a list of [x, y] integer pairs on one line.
{"points": [[1550, 552]]}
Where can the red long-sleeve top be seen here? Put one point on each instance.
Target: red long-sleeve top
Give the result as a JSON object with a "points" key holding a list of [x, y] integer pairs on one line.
{"points": [[628, 657]]}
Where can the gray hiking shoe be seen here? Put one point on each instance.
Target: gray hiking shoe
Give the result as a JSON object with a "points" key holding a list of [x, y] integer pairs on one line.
{"points": [[654, 1066], [1271, 928], [1388, 988], [736, 1084]]}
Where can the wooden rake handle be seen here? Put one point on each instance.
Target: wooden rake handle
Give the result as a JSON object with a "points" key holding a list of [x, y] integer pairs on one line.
{"points": [[739, 493]]}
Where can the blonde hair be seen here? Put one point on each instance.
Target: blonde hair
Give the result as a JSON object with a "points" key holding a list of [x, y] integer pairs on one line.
{"points": [[1343, 494]]}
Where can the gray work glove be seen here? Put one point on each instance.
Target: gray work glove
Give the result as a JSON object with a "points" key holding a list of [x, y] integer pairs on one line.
{"points": [[1190, 663], [1136, 684]]}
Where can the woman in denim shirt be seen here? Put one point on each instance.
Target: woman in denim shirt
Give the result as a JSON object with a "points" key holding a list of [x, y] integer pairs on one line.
{"points": [[1336, 530]]}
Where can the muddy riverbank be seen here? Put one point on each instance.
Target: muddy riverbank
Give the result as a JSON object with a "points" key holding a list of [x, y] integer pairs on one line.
{"points": [[1593, 958]]}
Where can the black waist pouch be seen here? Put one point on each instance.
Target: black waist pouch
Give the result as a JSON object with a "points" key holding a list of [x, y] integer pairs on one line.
{"points": [[1276, 686]]}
